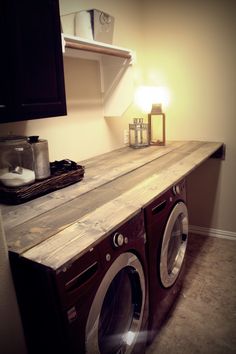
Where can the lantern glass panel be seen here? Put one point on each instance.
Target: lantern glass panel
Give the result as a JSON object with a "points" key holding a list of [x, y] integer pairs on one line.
{"points": [[138, 133]]}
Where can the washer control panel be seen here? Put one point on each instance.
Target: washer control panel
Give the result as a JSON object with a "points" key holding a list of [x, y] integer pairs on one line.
{"points": [[118, 239], [178, 188]]}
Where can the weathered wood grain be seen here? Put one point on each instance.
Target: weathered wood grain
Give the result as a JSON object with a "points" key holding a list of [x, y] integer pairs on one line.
{"points": [[98, 171], [28, 234], [84, 233]]}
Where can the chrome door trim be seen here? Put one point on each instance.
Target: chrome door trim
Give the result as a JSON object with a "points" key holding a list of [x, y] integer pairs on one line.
{"points": [[121, 262], [179, 211]]}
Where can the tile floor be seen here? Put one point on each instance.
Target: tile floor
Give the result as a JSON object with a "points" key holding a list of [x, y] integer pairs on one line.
{"points": [[204, 317]]}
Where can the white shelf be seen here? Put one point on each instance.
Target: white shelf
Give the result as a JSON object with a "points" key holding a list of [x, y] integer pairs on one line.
{"points": [[115, 70], [84, 45]]}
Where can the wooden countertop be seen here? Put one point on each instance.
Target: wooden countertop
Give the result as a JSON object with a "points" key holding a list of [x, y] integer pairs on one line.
{"points": [[57, 228]]}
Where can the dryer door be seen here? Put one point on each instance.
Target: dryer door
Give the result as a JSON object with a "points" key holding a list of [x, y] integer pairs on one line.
{"points": [[174, 245], [116, 314]]}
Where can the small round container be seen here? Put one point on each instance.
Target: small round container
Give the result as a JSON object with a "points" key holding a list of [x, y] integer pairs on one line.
{"points": [[41, 157], [16, 161]]}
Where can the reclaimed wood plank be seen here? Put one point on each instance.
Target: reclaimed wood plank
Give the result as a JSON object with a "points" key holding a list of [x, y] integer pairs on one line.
{"points": [[28, 234], [73, 241], [98, 171]]}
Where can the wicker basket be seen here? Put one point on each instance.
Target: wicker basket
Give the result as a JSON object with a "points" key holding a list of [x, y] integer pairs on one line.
{"points": [[56, 181]]}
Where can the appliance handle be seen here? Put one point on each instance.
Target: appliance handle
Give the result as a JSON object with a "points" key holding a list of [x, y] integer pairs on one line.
{"points": [[158, 208], [81, 278]]}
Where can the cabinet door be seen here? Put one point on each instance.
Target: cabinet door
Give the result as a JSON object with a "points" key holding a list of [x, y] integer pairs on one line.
{"points": [[5, 57], [37, 68]]}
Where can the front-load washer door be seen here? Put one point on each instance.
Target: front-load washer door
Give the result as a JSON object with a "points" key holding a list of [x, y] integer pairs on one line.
{"points": [[116, 314], [174, 245]]}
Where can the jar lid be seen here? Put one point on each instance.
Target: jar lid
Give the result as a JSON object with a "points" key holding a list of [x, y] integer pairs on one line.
{"points": [[12, 139]]}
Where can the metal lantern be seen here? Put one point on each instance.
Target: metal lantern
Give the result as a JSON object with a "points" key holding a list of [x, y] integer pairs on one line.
{"points": [[157, 134], [138, 134]]}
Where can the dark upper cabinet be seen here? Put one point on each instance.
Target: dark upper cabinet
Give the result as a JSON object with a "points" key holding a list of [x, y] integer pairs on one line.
{"points": [[32, 75], [5, 96]]}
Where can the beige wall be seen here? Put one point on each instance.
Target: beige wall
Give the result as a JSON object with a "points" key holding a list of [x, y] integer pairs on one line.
{"points": [[191, 48]]}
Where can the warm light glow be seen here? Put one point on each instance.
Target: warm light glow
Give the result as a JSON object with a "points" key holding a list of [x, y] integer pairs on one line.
{"points": [[145, 96]]}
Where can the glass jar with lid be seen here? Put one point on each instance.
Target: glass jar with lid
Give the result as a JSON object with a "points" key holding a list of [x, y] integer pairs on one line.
{"points": [[16, 161]]}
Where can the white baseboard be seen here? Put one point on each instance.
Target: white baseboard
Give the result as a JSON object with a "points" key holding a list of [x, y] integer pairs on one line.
{"points": [[229, 235]]}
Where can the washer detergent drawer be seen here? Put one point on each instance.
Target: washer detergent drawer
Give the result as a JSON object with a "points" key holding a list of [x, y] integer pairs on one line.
{"points": [[159, 209], [77, 279]]}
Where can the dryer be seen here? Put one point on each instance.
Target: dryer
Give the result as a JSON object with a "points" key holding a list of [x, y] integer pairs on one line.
{"points": [[166, 221], [97, 303]]}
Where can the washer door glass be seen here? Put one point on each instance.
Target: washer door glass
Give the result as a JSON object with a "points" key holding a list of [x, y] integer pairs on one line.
{"points": [[116, 314], [174, 245]]}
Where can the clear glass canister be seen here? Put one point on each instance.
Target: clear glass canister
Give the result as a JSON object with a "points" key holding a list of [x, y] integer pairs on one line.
{"points": [[16, 161]]}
